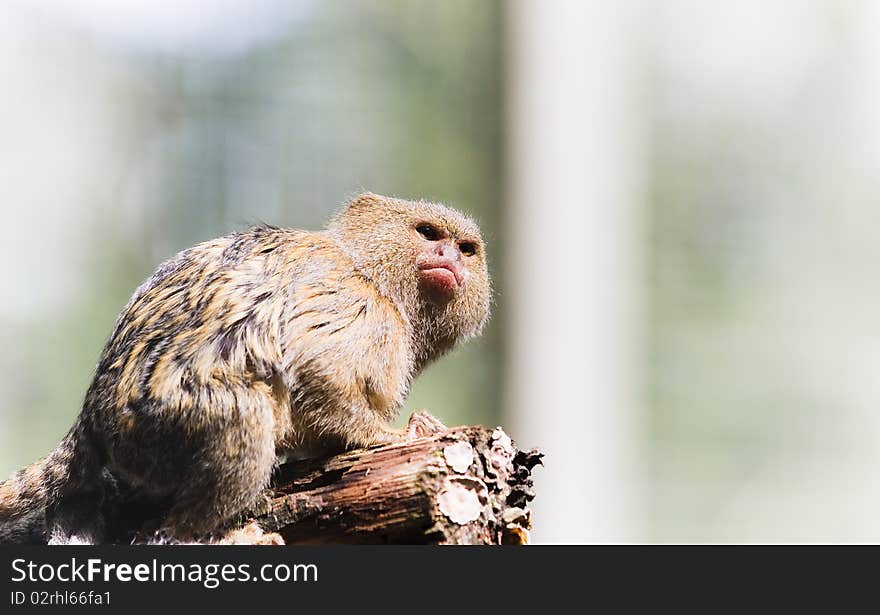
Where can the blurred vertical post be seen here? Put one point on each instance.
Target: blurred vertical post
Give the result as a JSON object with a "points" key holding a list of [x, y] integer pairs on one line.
{"points": [[572, 261]]}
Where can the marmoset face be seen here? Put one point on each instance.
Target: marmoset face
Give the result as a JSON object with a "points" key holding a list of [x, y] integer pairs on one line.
{"points": [[427, 254], [448, 259]]}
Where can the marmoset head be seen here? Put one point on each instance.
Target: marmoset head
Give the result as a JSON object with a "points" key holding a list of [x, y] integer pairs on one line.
{"points": [[426, 257]]}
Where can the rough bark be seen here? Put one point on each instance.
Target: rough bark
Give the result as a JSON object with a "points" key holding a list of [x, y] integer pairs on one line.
{"points": [[468, 485]]}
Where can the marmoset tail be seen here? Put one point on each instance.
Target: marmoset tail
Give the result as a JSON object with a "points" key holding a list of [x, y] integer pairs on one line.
{"points": [[258, 342]]}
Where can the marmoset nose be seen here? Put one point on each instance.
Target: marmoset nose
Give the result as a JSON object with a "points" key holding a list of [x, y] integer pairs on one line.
{"points": [[446, 249]]}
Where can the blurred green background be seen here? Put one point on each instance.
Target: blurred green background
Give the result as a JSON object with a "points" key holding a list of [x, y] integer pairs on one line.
{"points": [[129, 132]]}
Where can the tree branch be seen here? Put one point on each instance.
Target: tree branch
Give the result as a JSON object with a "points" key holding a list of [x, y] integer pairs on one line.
{"points": [[468, 485]]}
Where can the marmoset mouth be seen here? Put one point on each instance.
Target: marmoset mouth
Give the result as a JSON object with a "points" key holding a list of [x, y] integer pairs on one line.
{"points": [[441, 274]]}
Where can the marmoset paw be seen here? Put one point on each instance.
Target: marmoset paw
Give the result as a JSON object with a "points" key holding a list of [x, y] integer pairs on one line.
{"points": [[421, 425], [251, 534]]}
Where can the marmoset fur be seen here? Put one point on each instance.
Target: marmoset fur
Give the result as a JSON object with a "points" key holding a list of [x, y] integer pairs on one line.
{"points": [[264, 341]]}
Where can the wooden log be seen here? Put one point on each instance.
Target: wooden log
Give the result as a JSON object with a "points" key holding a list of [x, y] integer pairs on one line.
{"points": [[468, 485]]}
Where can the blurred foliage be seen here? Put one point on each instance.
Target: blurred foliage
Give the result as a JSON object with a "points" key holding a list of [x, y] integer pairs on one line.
{"points": [[764, 218]]}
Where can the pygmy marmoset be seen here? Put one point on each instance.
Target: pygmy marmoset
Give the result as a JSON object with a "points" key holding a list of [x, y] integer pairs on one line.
{"points": [[265, 341]]}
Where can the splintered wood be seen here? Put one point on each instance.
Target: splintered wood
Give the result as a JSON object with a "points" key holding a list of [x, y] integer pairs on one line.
{"points": [[468, 485]]}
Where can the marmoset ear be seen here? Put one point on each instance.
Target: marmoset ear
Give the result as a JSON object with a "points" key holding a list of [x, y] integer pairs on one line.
{"points": [[367, 200], [364, 209]]}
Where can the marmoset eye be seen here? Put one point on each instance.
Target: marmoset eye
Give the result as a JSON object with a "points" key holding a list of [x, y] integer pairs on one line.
{"points": [[467, 248], [428, 231]]}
